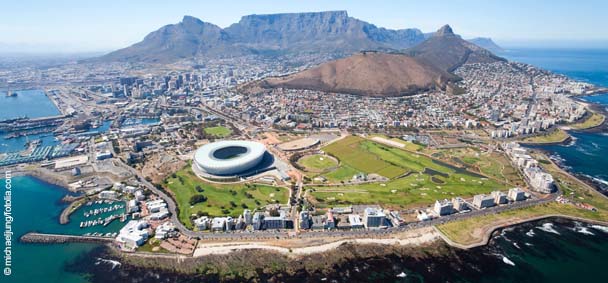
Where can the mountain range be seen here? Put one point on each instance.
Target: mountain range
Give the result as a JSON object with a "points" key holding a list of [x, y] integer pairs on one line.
{"points": [[329, 32], [425, 66]]}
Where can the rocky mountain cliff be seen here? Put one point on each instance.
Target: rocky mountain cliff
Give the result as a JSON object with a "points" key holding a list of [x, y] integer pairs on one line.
{"points": [[426, 66], [331, 32], [448, 51]]}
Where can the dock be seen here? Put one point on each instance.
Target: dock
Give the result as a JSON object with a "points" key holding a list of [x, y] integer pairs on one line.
{"points": [[33, 237]]}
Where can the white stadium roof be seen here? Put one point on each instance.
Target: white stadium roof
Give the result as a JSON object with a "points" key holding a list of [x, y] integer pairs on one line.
{"points": [[229, 157]]}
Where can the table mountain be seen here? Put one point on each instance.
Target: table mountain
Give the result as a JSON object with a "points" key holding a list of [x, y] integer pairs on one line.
{"points": [[330, 32]]}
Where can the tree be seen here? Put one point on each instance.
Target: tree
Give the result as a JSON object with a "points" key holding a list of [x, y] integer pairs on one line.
{"points": [[197, 199]]}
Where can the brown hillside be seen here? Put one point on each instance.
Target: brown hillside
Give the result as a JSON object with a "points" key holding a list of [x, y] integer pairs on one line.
{"points": [[369, 74]]}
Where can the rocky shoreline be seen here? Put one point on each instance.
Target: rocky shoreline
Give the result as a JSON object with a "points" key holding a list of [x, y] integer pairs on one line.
{"points": [[352, 262], [432, 262]]}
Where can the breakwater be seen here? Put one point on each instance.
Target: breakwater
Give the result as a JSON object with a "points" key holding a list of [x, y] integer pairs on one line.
{"points": [[33, 237]]}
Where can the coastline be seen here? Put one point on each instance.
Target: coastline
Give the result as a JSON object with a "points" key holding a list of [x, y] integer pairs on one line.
{"points": [[564, 140], [349, 262], [487, 236], [412, 237], [73, 202], [47, 177], [578, 126]]}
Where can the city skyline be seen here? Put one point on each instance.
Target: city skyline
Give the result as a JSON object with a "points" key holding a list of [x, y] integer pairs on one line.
{"points": [[70, 26]]}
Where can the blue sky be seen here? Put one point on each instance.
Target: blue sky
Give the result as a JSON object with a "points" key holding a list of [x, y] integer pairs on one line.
{"points": [[86, 25]]}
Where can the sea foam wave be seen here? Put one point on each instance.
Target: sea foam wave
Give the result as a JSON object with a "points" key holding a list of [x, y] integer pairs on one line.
{"points": [[600, 227], [585, 230], [113, 263], [530, 233], [548, 227], [507, 261]]}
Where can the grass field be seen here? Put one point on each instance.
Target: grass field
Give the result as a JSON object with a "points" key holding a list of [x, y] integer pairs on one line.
{"points": [[555, 136], [317, 162], [218, 131], [344, 172], [421, 179], [360, 155], [471, 230], [494, 164], [407, 144], [595, 120], [221, 199]]}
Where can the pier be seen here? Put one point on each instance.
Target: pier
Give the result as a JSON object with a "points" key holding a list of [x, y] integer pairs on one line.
{"points": [[33, 237]]}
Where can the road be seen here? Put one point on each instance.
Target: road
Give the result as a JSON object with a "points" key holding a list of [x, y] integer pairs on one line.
{"points": [[275, 234]]}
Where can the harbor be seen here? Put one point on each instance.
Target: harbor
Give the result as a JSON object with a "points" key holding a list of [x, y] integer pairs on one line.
{"points": [[113, 210], [98, 218]]}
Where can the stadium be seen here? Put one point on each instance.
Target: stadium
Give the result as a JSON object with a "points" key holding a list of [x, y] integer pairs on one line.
{"points": [[231, 158]]}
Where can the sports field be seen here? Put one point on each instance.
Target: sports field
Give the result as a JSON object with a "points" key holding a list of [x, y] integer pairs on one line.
{"points": [[415, 179], [317, 162], [218, 131], [222, 200]]}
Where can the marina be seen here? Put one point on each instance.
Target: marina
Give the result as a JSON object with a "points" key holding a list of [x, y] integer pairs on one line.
{"points": [[95, 216]]}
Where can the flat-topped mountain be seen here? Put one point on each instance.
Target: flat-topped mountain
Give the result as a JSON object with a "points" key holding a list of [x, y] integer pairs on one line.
{"points": [[319, 30], [369, 74], [329, 32], [448, 51], [332, 32]]}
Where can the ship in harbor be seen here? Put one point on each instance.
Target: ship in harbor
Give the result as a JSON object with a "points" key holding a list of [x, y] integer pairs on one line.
{"points": [[11, 94]]}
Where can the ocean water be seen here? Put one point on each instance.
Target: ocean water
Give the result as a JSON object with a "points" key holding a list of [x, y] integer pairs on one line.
{"points": [[550, 251], [36, 207], [30, 103], [588, 65], [586, 154], [532, 252]]}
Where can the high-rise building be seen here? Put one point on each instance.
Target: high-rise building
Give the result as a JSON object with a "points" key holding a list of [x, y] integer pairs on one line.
{"points": [[373, 218], [516, 194], [483, 201], [305, 220], [499, 197], [444, 207]]}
